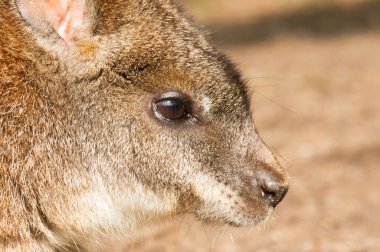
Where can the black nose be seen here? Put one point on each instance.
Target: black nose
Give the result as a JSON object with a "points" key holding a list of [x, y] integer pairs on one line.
{"points": [[272, 189]]}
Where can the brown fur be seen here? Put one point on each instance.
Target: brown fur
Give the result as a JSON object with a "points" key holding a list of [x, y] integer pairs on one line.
{"points": [[82, 160]]}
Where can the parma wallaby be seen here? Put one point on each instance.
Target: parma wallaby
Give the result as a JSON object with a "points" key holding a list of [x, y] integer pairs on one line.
{"points": [[117, 114]]}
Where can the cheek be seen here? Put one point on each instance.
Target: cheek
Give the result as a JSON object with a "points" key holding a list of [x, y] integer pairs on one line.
{"points": [[159, 167]]}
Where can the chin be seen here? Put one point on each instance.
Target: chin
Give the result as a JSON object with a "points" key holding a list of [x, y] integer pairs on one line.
{"points": [[235, 218]]}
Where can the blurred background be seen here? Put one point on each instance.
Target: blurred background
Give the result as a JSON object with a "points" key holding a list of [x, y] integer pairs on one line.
{"points": [[315, 68]]}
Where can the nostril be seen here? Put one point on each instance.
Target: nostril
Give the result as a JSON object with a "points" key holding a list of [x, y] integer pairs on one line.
{"points": [[273, 192]]}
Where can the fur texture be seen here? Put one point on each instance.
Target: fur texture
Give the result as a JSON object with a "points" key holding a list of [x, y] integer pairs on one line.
{"points": [[82, 159]]}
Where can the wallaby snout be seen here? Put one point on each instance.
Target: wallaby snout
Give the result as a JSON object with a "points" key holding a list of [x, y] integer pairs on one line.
{"points": [[119, 114]]}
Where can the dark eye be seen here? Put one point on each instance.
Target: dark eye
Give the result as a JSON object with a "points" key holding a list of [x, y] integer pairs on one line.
{"points": [[171, 109]]}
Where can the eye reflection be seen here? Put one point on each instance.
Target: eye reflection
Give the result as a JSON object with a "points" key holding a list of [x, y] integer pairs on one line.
{"points": [[171, 109]]}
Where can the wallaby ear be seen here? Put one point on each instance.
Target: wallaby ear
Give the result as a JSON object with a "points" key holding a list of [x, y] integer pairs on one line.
{"points": [[64, 16]]}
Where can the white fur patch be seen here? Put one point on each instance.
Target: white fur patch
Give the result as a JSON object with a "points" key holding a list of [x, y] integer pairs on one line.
{"points": [[208, 188], [206, 104], [142, 205]]}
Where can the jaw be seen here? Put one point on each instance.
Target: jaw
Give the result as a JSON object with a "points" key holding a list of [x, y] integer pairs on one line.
{"points": [[227, 215]]}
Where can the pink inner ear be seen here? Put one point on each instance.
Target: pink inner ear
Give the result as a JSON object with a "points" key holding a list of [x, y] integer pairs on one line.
{"points": [[65, 16], [71, 20]]}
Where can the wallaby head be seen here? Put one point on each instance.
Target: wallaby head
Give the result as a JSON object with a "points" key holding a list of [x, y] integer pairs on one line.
{"points": [[116, 114]]}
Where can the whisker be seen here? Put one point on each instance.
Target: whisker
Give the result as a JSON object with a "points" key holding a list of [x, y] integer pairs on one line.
{"points": [[274, 102], [188, 231]]}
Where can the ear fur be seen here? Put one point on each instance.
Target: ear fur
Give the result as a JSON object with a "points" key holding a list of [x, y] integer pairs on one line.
{"points": [[64, 16]]}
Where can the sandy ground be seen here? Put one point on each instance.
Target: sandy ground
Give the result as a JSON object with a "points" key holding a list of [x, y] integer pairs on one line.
{"points": [[317, 104]]}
